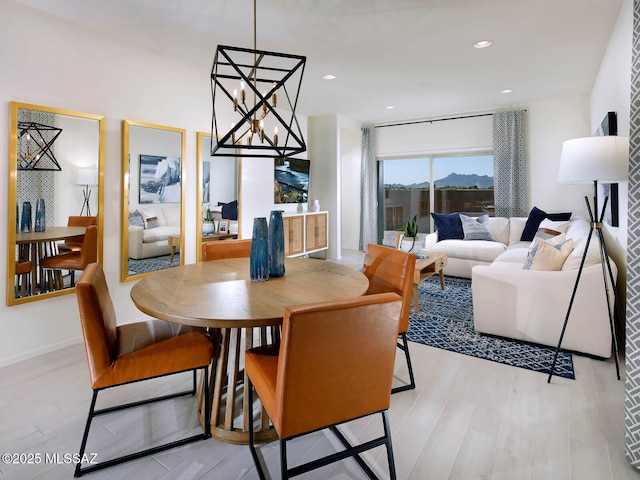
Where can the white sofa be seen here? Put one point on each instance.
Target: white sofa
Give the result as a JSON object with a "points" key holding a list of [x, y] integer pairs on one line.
{"points": [[152, 242], [531, 305]]}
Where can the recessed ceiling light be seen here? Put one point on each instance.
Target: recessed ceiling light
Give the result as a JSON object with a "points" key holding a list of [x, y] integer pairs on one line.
{"points": [[329, 77], [506, 90], [389, 107], [482, 44]]}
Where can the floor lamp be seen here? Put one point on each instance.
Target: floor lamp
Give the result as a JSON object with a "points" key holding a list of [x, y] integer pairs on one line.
{"points": [[587, 160], [86, 177]]}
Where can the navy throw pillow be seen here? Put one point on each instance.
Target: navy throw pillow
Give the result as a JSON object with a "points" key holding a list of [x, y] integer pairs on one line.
{"points": [[230, 210], [535, 219], [449, 226]]}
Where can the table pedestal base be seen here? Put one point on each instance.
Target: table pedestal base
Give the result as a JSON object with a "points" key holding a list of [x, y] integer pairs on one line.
{"points": [[230, 398]]}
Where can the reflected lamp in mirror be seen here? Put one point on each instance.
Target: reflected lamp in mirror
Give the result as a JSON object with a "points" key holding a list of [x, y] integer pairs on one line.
{"points": [[35, 146], [86, 177]]}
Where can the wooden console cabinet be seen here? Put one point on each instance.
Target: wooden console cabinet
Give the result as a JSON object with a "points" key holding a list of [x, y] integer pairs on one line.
{"points": [[305, 233]]}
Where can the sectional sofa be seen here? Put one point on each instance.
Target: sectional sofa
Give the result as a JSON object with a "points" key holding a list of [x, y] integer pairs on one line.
{"points": [[531, 305]]}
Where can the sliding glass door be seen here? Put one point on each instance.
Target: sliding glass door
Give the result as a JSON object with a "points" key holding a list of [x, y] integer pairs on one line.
{"points": [[442, 184]]}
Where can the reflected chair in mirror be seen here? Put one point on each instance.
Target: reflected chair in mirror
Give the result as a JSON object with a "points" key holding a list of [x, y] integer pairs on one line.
{"points": [[23, 277], [333, 365], [74, 244], [71, 261], [123, 354], [390, 270], [219, 250]]}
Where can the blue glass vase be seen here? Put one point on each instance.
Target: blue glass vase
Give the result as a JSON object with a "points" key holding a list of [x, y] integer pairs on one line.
{"points": [[40, 218], [276, 244], [259, 256], [25, 220]]}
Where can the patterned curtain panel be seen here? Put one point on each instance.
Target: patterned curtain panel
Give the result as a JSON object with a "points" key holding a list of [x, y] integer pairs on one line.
{"points": [[632, 365], [369, 189], [510, 164]]}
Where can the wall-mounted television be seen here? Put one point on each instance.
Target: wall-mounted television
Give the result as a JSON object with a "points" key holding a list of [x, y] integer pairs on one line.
{"points": [[291, 180]]}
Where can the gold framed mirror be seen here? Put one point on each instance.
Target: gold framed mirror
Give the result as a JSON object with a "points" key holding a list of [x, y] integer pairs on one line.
{"points": [[218, 189], [153, 166], [56, 171]]}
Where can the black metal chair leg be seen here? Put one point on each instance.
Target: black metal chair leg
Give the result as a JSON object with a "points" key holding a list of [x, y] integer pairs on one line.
{"points": [[252, 446], [387, 434], [284, 469], [79, 471], [85, 436], [412, 383]]}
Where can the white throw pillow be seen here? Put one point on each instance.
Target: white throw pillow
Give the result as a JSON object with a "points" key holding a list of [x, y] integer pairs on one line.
{"points": [[549, 229]]}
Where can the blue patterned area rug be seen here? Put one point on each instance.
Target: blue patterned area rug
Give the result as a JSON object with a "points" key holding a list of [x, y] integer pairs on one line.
{"points": [[152, 264], [445, 321]]}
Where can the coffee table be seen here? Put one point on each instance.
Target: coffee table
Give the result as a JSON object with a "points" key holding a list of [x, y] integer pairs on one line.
{"points": [[426, 268]]}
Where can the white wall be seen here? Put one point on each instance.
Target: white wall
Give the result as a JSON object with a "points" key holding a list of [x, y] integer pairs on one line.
{"points": [[612, 93], [550, 123], [350, 148], [89, 72], [324, 180]]}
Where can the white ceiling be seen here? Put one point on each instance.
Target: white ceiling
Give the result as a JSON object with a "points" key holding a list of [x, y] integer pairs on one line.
{"points": [[414, 54]]}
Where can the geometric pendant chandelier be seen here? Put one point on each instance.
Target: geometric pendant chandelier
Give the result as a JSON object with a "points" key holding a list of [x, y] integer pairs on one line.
{"points": [[255, 92], [35, 142]]}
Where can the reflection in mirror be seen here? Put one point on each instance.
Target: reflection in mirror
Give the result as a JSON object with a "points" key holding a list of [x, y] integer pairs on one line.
{"points": [[218, 191], [55, 182], [152, 198]]}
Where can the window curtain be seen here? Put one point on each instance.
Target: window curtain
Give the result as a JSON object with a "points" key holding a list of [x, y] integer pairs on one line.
{"points": [[368, 189], [510, 164]]}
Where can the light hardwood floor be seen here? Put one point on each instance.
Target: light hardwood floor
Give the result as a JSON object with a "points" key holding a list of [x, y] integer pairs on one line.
{"points": [[467, 419]]}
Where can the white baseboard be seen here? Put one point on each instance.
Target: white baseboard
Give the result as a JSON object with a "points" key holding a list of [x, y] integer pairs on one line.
{"points": [[39, 351]]}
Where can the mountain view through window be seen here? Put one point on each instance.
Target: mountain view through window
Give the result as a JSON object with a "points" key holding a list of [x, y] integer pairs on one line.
{"points": [[460, 184]]}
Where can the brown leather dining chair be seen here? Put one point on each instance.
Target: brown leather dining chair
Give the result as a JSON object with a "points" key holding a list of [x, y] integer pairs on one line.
{"points": [[390, 270], [23, 277], [74, 244], [334, 364], [225, 249], [122, 354], [74, 260]]}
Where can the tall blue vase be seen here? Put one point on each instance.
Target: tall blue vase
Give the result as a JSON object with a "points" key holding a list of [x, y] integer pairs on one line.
{"points": [[276, 244], [40, 217], [259, 256], [25, 220]]}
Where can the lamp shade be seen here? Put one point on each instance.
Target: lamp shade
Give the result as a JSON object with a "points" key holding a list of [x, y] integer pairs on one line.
{"points": [[604, 159], [87, 176]]}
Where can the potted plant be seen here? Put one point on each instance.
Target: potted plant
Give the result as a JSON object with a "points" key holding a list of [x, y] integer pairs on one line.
{"points": [[207, 223], [410, 233]]}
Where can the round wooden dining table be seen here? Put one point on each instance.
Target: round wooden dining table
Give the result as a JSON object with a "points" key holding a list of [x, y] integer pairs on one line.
{"points": [[240, 314]]}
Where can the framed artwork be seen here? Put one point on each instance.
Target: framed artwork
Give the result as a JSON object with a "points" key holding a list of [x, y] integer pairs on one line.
{"points": [[609, 126], [159, 179], [291, 180], [223, 226]]}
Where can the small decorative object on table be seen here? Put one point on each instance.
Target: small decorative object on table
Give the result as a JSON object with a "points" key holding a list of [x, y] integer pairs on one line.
{"points": [[410, 233], [276, 244], [258, 257], [40, 216], [207, 223], [315, 206], [25, 222]]}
